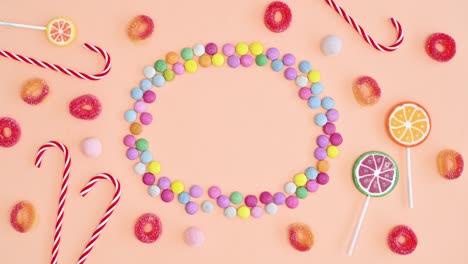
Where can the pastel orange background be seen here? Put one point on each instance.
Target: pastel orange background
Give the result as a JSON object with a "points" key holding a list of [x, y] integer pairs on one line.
{"points": [[242, 129]]}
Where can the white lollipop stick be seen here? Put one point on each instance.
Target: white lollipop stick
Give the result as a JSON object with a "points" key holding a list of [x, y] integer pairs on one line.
{"points": [[21, 25], [410, 177], [358, 227]]}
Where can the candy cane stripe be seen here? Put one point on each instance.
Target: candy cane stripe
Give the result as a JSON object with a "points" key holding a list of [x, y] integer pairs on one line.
{"points": [[66, 71], [364, 35]]}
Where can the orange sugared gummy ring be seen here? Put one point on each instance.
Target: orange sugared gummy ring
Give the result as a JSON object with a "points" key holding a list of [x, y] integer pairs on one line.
{"points": [[34, 91], [450, 164], [23, 217], [140, 28]]}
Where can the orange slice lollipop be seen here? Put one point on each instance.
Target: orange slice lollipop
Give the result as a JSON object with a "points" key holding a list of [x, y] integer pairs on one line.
{"points": [[61, 31], [408, 124]]}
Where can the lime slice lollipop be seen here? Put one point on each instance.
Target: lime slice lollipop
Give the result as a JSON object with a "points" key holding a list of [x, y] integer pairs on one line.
{"points": [[375, 174]]}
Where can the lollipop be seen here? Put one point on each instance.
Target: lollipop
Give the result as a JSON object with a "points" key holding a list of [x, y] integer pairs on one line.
{"points": [[375, 174], [408, 124], [60, 31]]}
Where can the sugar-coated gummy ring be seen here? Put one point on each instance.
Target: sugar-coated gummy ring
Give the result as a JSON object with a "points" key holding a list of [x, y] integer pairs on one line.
{"points": [[441, 47], [366, 90], [23, 216], [270, 16], [148, 228], [86, 107], [232, 202], [10, 132], [301, 237], [140, 28], [402, 240], [450, 164], [34, 91]]}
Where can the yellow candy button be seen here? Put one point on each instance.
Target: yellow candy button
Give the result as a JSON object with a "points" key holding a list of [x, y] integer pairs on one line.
{"points": [[256, 48], [242, 49], [191, 66], [332, 151], [217, 59], [300, 179], [314, 76], [243, 212], [154, 167], [177, 187]]}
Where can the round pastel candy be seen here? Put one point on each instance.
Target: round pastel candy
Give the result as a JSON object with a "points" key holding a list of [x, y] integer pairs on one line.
{"points": [[332, 151], [142, 144], [277, 65], [266, 198], [320, 119], [314, 76], [305, 66], [130, 116], [211, 48], [178, 68], [290, 188], [228, 49], [322, 141], [164, 183], [302, 192], [242, 48], [329, 128], [194, 237], [323, 178], [243, 212], [292, 202], [168, 75], [328, 103], [301, 81], [214, 192], [314, 102], [149, 72], [279, 198], [177, 187], [148, 179], [236, 198], [196, 191], [316, 88], [246, 60], [154, 167], [333, 115], [305, 93], [223, 201], [320, 153], [261, 60], [233, 61], [256, 48], [289, 59], [136, 93], [172, 58], [183, 198], [158, 80], [167, 196], [300, 179], [186, 53], [290, 73], [139, 168], [149, 97], [207, 206], [191, 208], [191, 66], [154, 190], [230, 212], [139, 106], [198, 50], [217, 60], [273, 54], [336, 139], [146, 157], [331, 45], [129, 140], [312, 186], [256, 212], [132, 153], [160, 65], [311, 173], [271, 209], [145, 84], [251, 200]]}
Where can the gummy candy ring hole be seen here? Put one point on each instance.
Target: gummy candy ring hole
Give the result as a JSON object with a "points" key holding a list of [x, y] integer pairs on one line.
{"points": [[440, 47], [34, 90], [87, 107], [6, 132], [401, 240], [148, 228], [278, 16], [366, 90]]}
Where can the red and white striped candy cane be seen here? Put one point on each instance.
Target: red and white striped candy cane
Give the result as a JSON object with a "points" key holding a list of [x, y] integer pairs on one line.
{"points": [[58, 68], [107, 215], [63, 191], [363, 33]]}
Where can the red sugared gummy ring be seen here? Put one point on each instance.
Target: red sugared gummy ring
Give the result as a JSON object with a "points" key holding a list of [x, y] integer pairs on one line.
{"points": [[86, 107], [402, 240], [441, 47], [34, 91], [148, 228], [23, 216], [366, 90], [450, 164], [301, 237], [10, 132], [270, 16], [140, 28]]}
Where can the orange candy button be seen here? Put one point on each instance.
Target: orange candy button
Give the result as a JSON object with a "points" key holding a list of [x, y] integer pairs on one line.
{"points": [[450, 164], [23, 217]]}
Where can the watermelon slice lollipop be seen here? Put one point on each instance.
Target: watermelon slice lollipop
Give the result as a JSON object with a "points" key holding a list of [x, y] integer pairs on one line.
{"points": [[375, 174]]}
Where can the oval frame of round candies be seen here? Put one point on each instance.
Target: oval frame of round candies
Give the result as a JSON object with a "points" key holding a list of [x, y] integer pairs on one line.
{"points": [[239, 55]]}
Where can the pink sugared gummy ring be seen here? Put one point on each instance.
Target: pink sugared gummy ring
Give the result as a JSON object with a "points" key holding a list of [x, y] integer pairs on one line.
{"points": [[270, 13], [86, 107], [443, 41], [402, 240], [10, 132], [148, 228], [140, 28]]}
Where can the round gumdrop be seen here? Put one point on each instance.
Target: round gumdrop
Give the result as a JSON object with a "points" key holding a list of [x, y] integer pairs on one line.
{"points": [[301, 237], [140, 28], [23, 217], [366, 90], [441, 47], [86, 107], [194, 237], [10, 132], [34, 91], [450, 164], [402, 240], [148, 228]]}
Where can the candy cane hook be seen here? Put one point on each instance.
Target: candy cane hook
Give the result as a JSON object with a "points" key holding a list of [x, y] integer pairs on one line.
{"points": [[107, 215], [363, 33], [63, 191], [58, 68]]}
